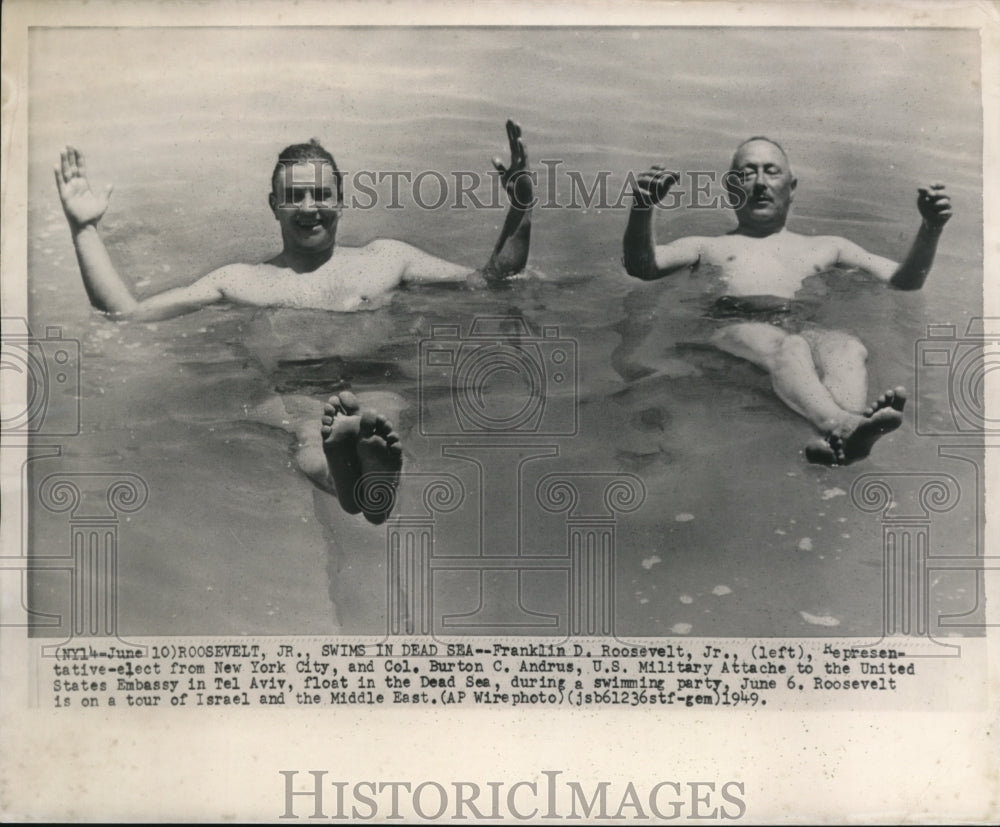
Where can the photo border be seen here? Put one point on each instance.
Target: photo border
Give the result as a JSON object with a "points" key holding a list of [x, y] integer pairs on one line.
{"points": [[817, 764]]}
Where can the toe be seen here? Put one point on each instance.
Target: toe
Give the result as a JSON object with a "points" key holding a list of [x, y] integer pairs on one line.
{"points": [[821, 453], [367, 426], [838, 447], [349, 403]]}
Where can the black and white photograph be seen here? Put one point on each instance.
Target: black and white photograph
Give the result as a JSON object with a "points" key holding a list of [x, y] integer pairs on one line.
{"points": [[646, 357]]}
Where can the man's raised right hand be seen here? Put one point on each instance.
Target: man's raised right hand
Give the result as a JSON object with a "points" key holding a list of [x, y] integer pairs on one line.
{"points": [[79, 203]]}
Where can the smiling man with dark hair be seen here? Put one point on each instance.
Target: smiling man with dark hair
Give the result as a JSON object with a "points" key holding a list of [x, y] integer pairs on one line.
{"points": [[342, 442], [820, 374]]}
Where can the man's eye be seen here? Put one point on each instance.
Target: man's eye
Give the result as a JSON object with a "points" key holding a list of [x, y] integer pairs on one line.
{"points": [[298, 195]]}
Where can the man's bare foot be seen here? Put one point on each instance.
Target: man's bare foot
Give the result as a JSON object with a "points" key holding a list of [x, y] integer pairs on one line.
{"points": [[381, 458], [852, 439], [340, 430], [895, 399]]}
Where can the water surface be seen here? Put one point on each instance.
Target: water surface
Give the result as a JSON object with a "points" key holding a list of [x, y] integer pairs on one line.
{"points": [[738, 535]]}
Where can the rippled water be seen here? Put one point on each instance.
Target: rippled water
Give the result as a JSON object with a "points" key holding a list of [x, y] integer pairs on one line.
{"points": [[737, 536]]}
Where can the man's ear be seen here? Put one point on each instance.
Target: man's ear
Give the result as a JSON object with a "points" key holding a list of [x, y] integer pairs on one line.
{"points": [[273, 203], [793, 185]]}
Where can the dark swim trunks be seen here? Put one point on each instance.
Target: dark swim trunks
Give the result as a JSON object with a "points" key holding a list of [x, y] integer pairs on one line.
{"points": [[788, 314]]}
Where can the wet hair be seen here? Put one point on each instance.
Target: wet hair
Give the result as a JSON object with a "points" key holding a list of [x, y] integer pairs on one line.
{"points": [[781, 149], [312, 151]]}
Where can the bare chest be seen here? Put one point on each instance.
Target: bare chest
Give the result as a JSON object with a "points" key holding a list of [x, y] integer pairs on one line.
{"points": [[769, 266], [345, 284]]}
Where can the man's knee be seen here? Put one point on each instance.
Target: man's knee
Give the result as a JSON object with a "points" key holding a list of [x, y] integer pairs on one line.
{"points": [[856, 349], [794, 348], [845, 348]]}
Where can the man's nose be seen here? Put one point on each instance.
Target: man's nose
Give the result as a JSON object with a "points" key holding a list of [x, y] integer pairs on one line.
{"points": [[307, 202]]}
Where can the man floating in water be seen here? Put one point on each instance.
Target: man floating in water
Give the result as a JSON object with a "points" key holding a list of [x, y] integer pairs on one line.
{"points": [[819, 374], [311, 271]]}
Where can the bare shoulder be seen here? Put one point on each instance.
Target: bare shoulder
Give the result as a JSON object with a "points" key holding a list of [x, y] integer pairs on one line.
{"points": [[410, 263], [826, 240], [386, 248], [709, 243], [231, 273], [694, 243], [714, 249], [841, 249], [815, 243], [379, 245]]}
